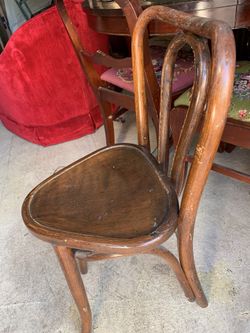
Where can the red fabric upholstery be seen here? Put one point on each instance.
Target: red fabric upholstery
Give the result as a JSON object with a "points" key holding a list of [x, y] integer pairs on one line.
{"points": [[44, 96]]}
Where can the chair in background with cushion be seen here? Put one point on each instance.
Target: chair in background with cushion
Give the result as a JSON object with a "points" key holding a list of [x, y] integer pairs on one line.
{"points": [[237, 129], [119, 201], [45, 97], [115, 86]]}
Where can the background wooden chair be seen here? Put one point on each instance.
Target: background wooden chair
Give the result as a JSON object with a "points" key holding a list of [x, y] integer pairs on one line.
{"points": [[114, 88], [237, 129], [118, 201]]}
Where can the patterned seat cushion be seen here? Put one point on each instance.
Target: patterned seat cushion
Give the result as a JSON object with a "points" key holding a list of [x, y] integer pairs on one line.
{"points": [[183, 75], [240, 103]]}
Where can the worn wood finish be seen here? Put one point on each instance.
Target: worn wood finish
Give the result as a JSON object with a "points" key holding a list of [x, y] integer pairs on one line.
{"points": [[107, 17], [114, 176], [202, 62], [119, 201], [104, 94], [218, 102], [74, 207]]}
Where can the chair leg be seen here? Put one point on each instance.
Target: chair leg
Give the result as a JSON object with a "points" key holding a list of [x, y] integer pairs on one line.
{"points": [[73, 277], [83, 265], [176, 267], [185, 239], [106, 109]]}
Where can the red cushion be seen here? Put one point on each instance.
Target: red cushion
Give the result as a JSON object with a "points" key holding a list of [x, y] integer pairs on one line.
{"points": [[44, 96], [183, 76]]}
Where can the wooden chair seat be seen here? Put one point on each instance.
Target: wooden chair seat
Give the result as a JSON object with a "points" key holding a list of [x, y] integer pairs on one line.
{"points": [[114, 194]]}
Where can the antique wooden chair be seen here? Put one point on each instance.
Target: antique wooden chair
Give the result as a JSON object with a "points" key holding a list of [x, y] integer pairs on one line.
{"points": [[115, 86], [119, 201], [237, 129]]}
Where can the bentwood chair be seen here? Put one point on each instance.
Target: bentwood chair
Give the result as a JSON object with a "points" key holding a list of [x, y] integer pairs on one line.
{"points": [[114, 89], [119, 200]]}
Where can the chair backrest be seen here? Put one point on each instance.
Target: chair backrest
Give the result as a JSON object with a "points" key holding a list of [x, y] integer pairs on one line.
{"points": [[211, 91], [131, 9]]}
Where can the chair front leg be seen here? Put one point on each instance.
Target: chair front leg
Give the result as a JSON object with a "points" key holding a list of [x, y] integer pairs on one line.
{"points": [[106, 109], [73, 277]]}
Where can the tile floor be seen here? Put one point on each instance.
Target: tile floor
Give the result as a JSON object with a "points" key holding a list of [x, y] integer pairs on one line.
{"points": [[137, 294]]}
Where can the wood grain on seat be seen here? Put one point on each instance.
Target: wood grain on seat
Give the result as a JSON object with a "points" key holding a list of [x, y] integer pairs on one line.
{"points": [[112, 193]]}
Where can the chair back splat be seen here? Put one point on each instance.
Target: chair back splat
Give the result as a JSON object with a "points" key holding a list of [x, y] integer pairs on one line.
{"points": [[212, 89]]}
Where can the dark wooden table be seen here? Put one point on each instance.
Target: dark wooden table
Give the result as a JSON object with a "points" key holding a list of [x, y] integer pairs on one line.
{"points": [[106, 16]]}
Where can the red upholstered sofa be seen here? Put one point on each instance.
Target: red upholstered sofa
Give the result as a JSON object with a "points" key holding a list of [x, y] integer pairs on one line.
{"points": [[44, 96]]}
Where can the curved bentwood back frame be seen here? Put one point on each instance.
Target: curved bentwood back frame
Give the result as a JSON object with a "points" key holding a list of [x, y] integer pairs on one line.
{"points": [[211, 94]]}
